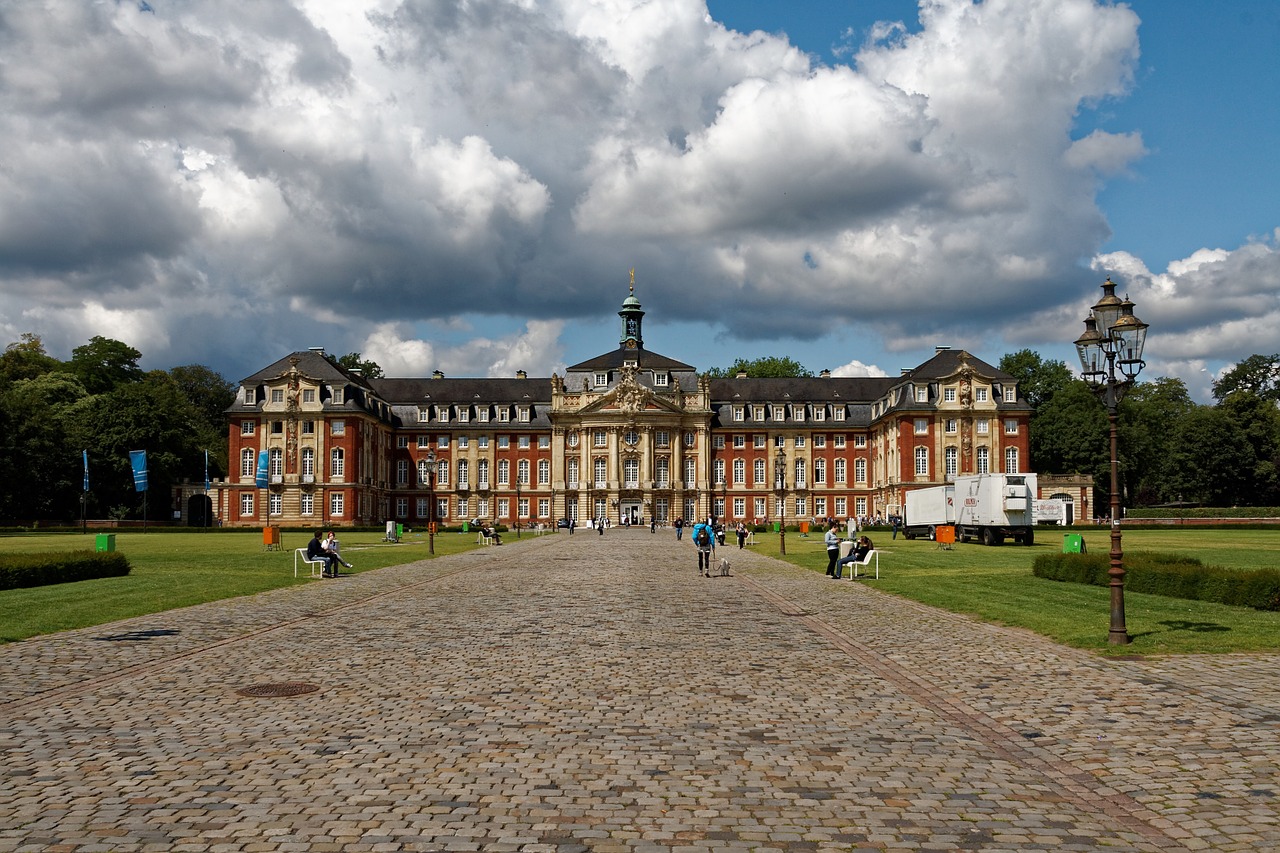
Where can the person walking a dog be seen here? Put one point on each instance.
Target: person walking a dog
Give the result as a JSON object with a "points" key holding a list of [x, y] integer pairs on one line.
{"points": [[704, 540]]}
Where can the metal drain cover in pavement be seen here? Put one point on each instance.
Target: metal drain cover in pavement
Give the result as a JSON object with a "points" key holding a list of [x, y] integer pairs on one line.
{"points": [[287, 688]]}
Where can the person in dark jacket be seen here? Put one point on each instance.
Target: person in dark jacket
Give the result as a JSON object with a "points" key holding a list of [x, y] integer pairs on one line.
{"points": [[317, 551]]}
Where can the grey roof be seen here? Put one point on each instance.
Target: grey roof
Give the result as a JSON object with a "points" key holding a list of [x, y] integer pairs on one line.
{"points": [[858, 389], [419, 392], [945, 363], [310, 363], [640, 355]]}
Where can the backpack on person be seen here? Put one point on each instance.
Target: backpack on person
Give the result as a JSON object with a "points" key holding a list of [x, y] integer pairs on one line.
{"points": [[702, 538]]}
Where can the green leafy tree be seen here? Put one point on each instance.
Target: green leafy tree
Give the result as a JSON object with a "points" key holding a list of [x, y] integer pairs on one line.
{"points": [[103, 363], [1207, 453], [1038, 379], [210, 395], [1149, 414], [768, 367], [40, 465], [353, 361], [1257, 374], [25, 359], [1069, 434], [1259, 421], [152, 414]]}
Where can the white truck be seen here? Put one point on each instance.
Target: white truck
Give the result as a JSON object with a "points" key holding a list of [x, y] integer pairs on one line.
{"points": [[987, 507]]}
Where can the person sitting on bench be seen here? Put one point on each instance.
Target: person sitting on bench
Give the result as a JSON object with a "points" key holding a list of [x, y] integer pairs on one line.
{"points": [[317, 551], [331, 545]]}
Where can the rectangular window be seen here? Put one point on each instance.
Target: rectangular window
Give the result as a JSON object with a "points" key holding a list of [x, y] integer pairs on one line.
{"points": [[838, 413], [338, 427], [860, 470], [308, 427], [779, 413], [739, 442], [522, 414], [482, 414], [800, 441], [802, 507], [951, 426], [522, 442], [840, 507], [402, 507], [544, 442], [504, 442], [760, 441], [921, 426], [250, 396], [1011, 395], [246, 504], [739, 507], [760, 508], [463, 442], [442, 473], [601, 438], [307, 504], [482, 442], [462, 508], [859, 441], [980, 395], [717, 442], [275, 503], [420, 508], [660, 380], [839, 442], [602, 379], [982, 426], [662, 439], [948, 395], [819, 413], [922, 395], [819, 441], [424, 414], [402, 441], [248, 427], [464, 414], [277, 427], [544, 508], [337, 504], [504, 508], [860, 507], [277, 395], [739, 413], [424, 440], [820, 507], [504, 415], [841, 470], [1010, 426], [757, 413], [442, 413]]}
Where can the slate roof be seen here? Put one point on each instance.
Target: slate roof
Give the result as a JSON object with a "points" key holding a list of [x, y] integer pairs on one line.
{"points": [[645, 360]]}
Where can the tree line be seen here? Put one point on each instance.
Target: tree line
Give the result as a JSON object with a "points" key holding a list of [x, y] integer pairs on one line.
{"points": [[100, 401]]}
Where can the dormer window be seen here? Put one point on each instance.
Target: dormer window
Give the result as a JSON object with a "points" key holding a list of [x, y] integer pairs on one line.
{"points": [[838, 414], [602, 379], [779, 413], [1010, 395], [630, 362], [948, 395], [659, 379], [442, 413], [464, 414], [338, 397], [980, 395], [277, 395], [424, 414], [922, 395], [522, 414], [482, 414], [504, 415], [250, 396]]}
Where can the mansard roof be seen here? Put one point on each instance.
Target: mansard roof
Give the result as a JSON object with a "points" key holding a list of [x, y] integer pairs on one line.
{"points": [[312, 363], [644, 359], [829, 389], [430, 392], [946, 363]]}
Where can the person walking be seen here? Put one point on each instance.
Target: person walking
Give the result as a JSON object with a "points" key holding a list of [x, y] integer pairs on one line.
{"points": [[741, 530], [679, 529], [704, 541]]}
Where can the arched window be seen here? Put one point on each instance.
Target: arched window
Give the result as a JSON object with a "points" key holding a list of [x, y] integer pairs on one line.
{"points": [[338, 465], [951, 459], [276, 462], [464, 479], [422, 472], [841, 470], [308, 461], [819, 471], [664, 473], [758, 476], [602, 472], [482, 476], [522, 473], [631, 473], [740, 472], [860, 470], [922, 462], [573, 473], [504, 472], [800, 473], [1011, 460], [246, 462]]}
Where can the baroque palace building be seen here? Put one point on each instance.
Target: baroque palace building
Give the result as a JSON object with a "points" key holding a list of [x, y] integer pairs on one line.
{"points": [[629, 435]]}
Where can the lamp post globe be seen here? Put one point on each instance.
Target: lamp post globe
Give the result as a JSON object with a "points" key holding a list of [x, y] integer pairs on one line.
{"points": [[1110, 352]]}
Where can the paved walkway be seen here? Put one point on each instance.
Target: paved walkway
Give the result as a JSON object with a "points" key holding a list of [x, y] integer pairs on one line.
{"points": [[593, 693]]}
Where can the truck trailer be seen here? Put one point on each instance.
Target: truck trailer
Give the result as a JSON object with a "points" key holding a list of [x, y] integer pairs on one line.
{"points": [[987, 507]]}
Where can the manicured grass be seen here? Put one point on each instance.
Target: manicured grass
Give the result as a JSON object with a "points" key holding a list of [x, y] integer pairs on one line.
{"points": [[996, 585], [177, 569]]}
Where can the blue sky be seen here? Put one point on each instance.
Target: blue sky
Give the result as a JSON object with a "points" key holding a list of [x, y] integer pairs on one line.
{"points": [[464, 186]]}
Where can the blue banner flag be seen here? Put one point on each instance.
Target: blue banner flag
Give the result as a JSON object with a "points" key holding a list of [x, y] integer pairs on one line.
{"points": [[86, 469], [261, 479], [138, 461]]}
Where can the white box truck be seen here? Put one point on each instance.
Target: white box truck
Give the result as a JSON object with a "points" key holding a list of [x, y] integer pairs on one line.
{"points": [[987, 507]]}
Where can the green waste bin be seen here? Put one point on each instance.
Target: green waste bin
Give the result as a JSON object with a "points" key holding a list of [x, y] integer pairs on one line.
{"points": [[105, 542], [466, 527], [399, 531], [1073, 543], [777, 527]]}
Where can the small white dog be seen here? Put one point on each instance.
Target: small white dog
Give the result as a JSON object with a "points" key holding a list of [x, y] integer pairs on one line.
{"points": [[724, 567]]}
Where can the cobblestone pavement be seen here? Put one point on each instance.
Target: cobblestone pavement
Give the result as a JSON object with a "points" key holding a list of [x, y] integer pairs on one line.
{"points": [[594, 693]]}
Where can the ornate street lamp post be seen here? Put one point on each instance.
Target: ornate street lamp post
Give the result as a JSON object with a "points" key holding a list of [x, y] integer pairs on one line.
{"points": [[431, 502], [1110, 360], [517, 502], [780, 485]]}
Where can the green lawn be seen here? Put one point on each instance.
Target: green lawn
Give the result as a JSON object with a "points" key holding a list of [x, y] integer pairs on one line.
{"points": [[996, 584], [177, 569]]}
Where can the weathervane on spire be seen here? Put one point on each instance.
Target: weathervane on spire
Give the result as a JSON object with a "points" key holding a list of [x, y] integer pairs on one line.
{"points": [[633, 281]]}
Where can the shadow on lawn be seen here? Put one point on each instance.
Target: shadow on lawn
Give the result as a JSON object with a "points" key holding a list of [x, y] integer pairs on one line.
{"points": [[1184, 625]]}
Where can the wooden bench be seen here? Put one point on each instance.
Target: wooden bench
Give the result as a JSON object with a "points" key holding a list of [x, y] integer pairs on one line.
{"points": [[867, 558], [317, 565]]}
